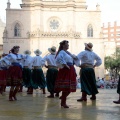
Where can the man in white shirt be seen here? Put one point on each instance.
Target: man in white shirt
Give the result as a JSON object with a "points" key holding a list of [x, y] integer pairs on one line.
{"points": [[89, 60], [50, 63], [27, 71]]}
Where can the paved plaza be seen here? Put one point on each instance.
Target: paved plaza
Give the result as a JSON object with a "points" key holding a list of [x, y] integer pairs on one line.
{"points": [[39, 107]]}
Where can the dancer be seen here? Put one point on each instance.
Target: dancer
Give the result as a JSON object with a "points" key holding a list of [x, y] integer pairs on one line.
{"points": [[27, 71], [52, 71], [37, 75], [66, 79], [14, 74], [4, 64], [118, 91], [87, 74]]}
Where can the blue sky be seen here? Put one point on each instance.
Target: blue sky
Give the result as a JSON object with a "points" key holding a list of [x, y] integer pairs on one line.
{"points": [[110, 8]]}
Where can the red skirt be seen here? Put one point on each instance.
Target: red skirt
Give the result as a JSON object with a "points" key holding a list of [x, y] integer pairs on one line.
{"points": [[66, 80], [14, 76], [3, 77]]}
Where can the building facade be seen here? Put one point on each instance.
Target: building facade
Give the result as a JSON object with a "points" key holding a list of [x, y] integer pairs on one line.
{"points": [[2, 27], [111, 34], [40, 24]]}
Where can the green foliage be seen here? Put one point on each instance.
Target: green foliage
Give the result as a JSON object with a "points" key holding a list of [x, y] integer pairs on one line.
{"points": [[112, 63]]}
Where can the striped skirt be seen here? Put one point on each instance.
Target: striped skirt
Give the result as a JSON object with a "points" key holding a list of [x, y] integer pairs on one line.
{"points": [[50, 79], [14, 76], [66, 80], [88, 81]]}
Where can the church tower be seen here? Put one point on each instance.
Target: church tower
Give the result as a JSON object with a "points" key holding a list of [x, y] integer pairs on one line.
{"points": [[8, 4]]}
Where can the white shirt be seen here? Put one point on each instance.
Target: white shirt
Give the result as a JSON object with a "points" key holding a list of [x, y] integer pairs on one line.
{"points": [[63, 58], [37, 61], [28, 61], [102, 81], [4, 63], [13, 58], [50, 59], [88, 57]]}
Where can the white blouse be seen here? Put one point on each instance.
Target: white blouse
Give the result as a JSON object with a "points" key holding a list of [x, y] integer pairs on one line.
{"points": [[50, 59], [27, 61], [37, 61], [88, 57], [4, 63], [63, 58], [14, 58]]}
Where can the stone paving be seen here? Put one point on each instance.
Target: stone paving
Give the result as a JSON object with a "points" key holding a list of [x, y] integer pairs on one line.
{"points": [[39, 107]]}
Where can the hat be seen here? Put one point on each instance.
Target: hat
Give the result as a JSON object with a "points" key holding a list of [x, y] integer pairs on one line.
{"points": [[37, 52], [27, 52], [52, 50], [89, 46]]}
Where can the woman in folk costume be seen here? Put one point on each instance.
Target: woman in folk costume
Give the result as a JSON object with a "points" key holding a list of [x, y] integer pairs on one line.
{"points": [[14, 73], [27, 71], [118, 91], [52, 70], [4, 64], [66, 79], [37, 74], [87, 59]]}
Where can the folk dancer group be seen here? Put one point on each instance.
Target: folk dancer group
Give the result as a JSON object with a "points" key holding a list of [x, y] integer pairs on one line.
{"points": [[17, 69]]}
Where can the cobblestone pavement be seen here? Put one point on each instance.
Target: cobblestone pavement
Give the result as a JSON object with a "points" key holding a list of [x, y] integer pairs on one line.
{"points": [[39, 107]]}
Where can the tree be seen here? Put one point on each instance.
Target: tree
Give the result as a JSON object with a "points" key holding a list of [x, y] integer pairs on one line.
{"points": [[112, 63]]}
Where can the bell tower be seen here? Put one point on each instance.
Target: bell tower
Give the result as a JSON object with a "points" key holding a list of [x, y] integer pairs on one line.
{"points": [[8, 4]]}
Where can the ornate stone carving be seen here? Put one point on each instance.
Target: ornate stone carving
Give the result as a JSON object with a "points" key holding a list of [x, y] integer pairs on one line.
{"points": [[17, 41], [69, 34], [5, 33], [28, 34]]}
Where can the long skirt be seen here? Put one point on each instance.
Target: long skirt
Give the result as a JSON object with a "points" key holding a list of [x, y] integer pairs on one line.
{"points": [[88, 81], [38, 79], [118, 87], [50, 79], [14, 76], [66, 80], [27, 77], [3, 77]]}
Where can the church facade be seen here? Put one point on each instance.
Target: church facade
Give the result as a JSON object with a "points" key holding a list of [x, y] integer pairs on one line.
{"points": [[2, 27], [40, 24]]}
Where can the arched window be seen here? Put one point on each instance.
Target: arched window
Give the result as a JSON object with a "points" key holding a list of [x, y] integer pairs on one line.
{"points": [[17, 31], [90, 31]]}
